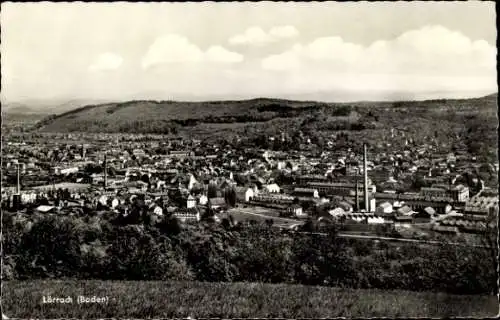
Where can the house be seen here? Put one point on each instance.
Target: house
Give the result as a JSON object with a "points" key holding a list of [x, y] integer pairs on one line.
{"points": [[114, 203], [158, 211], [217, 203], [271, 188], [337, 212], [191, 202], [296, 210], [103, 200], [192, 182], [203, 200], [384, 209], [430, 211], [405, 211], [244, 194]]}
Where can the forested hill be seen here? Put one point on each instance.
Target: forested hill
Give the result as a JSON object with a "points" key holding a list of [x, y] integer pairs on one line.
{"points": [[165, 116]]}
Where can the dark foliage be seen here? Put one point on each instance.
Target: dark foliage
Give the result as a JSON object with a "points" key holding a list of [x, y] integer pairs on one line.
{"points": [[58, 247]]}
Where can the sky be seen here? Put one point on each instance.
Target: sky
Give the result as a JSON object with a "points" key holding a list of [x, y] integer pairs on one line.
{"points": [[323, 51]]}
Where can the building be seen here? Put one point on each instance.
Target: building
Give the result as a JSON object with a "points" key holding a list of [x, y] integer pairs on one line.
{"points": [[304, 180], [191, 202], [418, 202], [158, 211], [457, 193], [46, 209], [340, 188], [296, 210], [306, 192], [216, 203], [180, 154], [271, 188], [384, 209], [483, 204], [244, 194], [405, 211], [187, 215], [273, 198]]}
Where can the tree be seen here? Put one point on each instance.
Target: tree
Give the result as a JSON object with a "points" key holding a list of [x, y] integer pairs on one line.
{"points": [[230, 196], [53, 244], [212, 191], [269, 222]]}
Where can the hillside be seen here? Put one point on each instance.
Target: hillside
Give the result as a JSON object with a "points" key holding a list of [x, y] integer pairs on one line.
{"points": [[170, 299], [168, 116]]}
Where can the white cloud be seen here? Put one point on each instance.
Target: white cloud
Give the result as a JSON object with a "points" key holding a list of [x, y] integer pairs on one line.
{"points": [[288, 60], [221, 54], [106, 61], [171, 48], [432, 50], [252, 36], [174, 48], [258, 37], [284, 32]]}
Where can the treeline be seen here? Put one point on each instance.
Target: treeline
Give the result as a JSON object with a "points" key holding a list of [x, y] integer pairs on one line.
{"points": [[101, 248]]}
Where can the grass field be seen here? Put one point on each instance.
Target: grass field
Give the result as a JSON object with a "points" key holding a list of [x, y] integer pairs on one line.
{"points": [[23, 299]]}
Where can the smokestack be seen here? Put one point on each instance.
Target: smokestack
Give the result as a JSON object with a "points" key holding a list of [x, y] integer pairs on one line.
{"points": [[365, 173], [84, 151], [18, 180], [357, 194], [105, 171]]}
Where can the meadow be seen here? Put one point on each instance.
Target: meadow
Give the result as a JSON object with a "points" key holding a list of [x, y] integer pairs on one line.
{"points": [[168, 299]]}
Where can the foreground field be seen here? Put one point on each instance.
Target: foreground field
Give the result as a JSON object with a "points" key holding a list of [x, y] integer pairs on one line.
{"points": [[23, 299]]}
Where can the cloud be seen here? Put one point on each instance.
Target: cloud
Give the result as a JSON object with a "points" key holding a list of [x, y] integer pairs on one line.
{"points": [[106, 61], [221, 54], [284, 32], [432, 50], [171, 48], [174, 48], [258, 37], [288, 60]]}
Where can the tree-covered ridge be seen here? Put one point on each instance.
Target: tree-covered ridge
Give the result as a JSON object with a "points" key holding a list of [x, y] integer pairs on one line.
{"points": [[162, 116]]}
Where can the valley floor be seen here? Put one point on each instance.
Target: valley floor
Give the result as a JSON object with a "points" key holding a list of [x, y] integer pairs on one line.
{"points": [[168, 299]]}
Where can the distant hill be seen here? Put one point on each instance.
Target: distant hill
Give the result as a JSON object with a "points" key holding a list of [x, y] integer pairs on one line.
{"points": [[143, 116], [43, 107]]}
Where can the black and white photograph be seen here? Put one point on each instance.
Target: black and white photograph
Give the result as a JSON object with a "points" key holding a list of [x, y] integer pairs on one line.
{"points": [[256, 160]]}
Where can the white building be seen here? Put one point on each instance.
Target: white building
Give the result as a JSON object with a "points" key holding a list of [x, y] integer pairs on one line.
{"points": [[158, 211], [191, 202], [384, 208], [272, 188], [203, 200]]}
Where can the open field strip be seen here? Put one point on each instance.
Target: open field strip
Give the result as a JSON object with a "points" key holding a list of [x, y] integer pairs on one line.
{"points": [[167, 299]]}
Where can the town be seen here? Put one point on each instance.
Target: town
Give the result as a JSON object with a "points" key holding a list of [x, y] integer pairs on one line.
{"points": [[73, 174]]}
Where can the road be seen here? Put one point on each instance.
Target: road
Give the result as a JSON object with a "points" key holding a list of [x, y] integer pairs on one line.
{"points": [[265, 216], [419, 241]]}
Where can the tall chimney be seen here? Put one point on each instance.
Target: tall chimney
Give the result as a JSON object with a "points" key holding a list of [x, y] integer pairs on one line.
{"points": [[18, 180], [365, 173], [357, 194], [105, 171]]}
